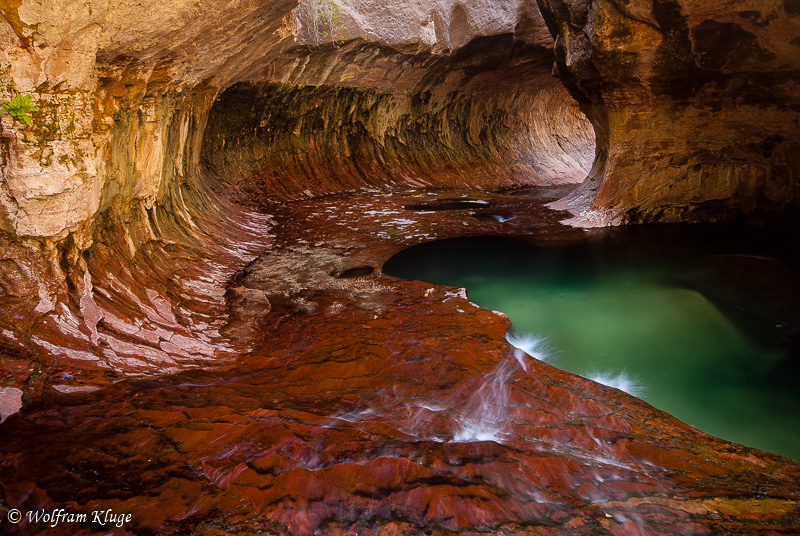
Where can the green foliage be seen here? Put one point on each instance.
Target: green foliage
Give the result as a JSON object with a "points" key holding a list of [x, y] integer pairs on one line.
{"points": [[320, 18], [18, 108]]}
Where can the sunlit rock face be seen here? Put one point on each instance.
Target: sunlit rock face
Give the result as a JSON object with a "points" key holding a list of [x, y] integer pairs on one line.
{"points": [[695, 106], [438, 25]]}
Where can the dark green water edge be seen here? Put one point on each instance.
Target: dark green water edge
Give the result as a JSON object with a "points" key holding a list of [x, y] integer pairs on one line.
{"points": [[696, 320]]}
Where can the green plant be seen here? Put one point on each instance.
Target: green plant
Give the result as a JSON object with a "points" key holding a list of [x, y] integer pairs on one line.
{"points": [[19, 107], [320, 20]]}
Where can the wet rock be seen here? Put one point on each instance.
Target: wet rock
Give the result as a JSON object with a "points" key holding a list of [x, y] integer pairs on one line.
{"points": [[448, 204], [361, 413], [157, 382], [10, 402]]}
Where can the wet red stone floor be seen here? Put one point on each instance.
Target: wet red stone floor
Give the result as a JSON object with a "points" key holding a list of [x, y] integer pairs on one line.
{"points": [[351, 402]]}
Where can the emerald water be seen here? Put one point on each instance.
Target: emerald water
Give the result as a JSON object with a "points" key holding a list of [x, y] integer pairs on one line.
{"points": [[691, 319]]}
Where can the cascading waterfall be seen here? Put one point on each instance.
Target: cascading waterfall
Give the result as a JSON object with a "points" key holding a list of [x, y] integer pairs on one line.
{"points": [[530, 344], [622, 381]]}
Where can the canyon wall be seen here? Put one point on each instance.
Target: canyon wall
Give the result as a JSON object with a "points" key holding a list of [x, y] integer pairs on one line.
{"points": [[177, 341], [157, 123], [116, 243], [367, 118], [99, 238], [696, 107]]}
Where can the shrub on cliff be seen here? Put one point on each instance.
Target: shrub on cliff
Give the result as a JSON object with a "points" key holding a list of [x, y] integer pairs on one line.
{"points": [[320, 20], [18, 108]]}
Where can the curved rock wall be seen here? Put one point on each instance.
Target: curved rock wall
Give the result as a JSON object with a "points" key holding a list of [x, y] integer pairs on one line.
{"points": [[106, 74], [118, 256], [417, 120], [696, 106], [107, 222], [112, 251]]}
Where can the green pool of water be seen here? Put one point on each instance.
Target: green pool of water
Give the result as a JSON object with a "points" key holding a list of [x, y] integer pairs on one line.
{"points": [[690, 319]]}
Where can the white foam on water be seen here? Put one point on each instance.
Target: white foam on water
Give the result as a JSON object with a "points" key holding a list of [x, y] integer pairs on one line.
{"points": [[622, 381], [533, 345]]}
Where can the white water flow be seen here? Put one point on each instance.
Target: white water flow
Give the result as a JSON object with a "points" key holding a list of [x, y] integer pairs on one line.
{"points": [[484, 415]]}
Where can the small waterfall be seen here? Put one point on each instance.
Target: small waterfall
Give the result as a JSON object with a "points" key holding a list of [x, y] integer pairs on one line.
{"points": [[484, 415], [528, 343]]}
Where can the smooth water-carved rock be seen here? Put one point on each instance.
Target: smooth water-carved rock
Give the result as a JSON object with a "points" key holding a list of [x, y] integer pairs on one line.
{"points": [[374, 405], [363, 118], [695, 107], [124, 260]]}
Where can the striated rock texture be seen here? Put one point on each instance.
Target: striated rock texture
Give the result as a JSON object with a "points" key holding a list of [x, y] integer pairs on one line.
{"points": [[123, 88], [367, 119], [439, 25], [115, 242], [213, 368], [696, 107], [113, 250], [375, 406]]}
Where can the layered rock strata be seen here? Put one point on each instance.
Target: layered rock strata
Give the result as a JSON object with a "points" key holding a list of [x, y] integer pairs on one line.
{"points": [[696, 107], [104, 193], [120, 246], [365, 119]]}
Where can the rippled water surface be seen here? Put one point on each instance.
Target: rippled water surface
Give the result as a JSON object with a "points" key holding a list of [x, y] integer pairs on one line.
{"points": [[691, 319]]}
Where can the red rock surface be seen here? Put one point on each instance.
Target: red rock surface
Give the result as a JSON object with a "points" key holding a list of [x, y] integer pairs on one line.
{"points": [[343, 411]]}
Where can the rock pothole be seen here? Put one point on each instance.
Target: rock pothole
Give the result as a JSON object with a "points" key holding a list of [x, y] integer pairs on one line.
{"points": [[352, 273]]}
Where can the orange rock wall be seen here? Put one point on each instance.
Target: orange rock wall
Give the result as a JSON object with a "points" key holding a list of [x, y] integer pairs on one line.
{"points": [[696, 107]]}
